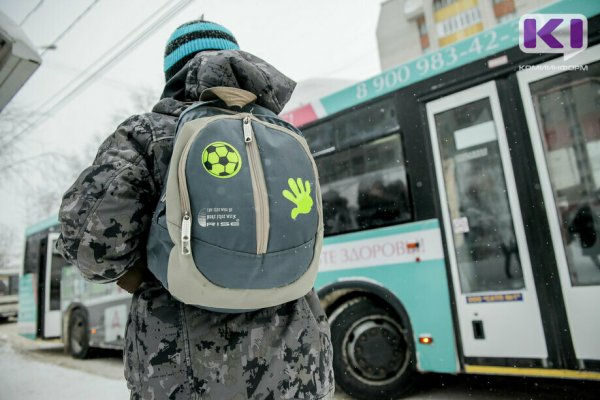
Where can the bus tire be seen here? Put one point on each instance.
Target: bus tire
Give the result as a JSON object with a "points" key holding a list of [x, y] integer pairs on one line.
{"points": [[372, 358], [78, 338]]}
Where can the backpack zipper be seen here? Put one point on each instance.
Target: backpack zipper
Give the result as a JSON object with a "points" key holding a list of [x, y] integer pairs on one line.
{"points": [[259, 188], [186, 222]]}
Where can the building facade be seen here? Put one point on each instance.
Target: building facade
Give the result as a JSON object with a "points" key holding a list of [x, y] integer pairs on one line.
{"points": [[409, 28]]}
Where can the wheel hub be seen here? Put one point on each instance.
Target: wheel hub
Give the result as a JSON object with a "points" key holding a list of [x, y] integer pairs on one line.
{"points": [[376, 348], [77, 335]]}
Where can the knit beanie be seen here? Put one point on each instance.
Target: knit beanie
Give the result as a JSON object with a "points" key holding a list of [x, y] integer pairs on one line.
{"points": [[193, 37]]}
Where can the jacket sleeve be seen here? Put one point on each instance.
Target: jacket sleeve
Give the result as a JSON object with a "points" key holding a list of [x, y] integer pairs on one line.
{"points": [[105, 215]]}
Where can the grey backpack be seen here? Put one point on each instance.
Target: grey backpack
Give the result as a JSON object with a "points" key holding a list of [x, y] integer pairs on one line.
{"points": [[239, 223]]}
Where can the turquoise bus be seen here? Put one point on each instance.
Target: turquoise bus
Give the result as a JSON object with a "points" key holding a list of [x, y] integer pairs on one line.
{"points": [[56, 302], [461, 197]]}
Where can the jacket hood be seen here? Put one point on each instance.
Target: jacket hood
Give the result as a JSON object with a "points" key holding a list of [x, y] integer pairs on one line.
{"points": [[231, 68]]}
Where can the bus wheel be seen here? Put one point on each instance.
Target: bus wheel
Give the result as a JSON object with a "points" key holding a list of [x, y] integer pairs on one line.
{"points": [[79, 344], [371, 355]]}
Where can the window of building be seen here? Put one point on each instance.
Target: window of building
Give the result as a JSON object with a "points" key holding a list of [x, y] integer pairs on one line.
{"points": [[504, 10], [422, 25], [423, 35], [437, 4], [507, 17], [456, 19]]}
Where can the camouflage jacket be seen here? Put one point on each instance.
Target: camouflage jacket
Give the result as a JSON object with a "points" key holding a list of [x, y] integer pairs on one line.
{"points": [[172, 350]]}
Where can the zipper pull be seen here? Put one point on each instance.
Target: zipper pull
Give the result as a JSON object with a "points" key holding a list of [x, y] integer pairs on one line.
{"points": [[247, 130], [186, 233]]}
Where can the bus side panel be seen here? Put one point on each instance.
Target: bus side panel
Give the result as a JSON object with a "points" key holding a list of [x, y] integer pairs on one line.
{"points": [[107, 320], [28, 306], [417, 277]]}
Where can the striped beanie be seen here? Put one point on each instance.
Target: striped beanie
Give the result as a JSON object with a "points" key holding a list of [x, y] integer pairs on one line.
{"points": [[193, 37]]}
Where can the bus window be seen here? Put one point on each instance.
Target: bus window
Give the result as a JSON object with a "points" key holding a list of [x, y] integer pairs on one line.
{"points": [[13, 284], [567, 110], [370, 122], [71, 286], [360, 159], [364, 187], [4, 291], [487, 252], [33, 255], [320, 138], [353, 128]]}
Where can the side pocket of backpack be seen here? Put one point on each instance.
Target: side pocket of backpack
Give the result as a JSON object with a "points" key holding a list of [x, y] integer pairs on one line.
{"points": [[159, 244], [160, 214]]}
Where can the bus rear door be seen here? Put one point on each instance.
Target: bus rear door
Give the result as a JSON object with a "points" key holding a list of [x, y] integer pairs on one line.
{"points": [[496, 300], [51, 304]]}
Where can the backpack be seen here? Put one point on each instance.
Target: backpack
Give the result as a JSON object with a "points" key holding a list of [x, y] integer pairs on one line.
{"points": [[239, 223]]}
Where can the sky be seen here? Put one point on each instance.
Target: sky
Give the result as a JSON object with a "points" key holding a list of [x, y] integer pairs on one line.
{"points": [[304, 39]]}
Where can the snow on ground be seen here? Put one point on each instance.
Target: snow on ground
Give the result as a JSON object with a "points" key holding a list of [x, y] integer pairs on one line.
{"points": [[24, 378], [40, 370]]}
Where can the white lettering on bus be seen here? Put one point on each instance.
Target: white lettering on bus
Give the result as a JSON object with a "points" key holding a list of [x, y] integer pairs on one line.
{"points": [[367, 252]]}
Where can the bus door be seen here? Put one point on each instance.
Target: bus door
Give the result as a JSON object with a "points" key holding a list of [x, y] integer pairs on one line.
{"points": [[496, 300], [51, 304], [562, 110]]}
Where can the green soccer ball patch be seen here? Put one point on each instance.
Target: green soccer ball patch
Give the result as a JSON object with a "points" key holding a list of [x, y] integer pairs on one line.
{"points": [[222, 160]]}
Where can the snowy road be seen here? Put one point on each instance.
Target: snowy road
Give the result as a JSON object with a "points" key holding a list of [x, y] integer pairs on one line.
{"points": [[33, 371], [28, 379], [36, 370]]}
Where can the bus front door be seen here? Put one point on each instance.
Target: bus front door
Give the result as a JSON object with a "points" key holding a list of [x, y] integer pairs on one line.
{"points": [[51, 303], [496, 301], [562, 114]]}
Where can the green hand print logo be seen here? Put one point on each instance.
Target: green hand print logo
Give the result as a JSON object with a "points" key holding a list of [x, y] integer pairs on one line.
{"points": [[300, 196]]}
